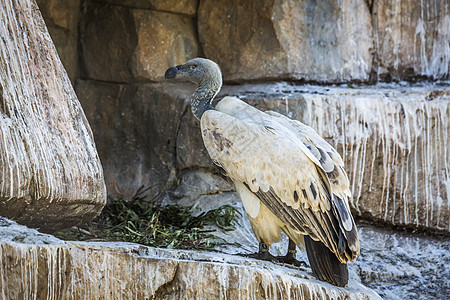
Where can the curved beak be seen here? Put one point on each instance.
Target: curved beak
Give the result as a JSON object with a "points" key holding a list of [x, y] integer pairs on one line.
{"points": [[172, 72]]}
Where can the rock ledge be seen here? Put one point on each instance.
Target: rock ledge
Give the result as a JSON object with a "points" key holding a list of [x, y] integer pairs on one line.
{"points": [[38, 264]]}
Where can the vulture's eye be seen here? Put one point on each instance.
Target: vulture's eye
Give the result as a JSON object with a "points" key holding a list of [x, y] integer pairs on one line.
{"points": [[193, 67]]}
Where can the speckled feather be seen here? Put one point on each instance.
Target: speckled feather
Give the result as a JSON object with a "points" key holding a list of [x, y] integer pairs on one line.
{"points": [[296, 174]]}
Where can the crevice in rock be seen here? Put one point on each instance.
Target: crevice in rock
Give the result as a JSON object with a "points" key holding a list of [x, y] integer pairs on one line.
{"points": [[373, 10], [169, 286], [3, 105], [218, 191], [152, 8], [177, 133], [200, 53]]}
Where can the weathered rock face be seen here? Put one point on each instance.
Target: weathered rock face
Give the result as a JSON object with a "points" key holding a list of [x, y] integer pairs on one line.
{"points": [[190, 151], [326, 41], [401, 265], [122, 44], [136, 128], [62, 19], [40, 265], [411, 39], [393, 138], [394, 142], [185, 7], [163, 40], [50, 173], [310, 40]]}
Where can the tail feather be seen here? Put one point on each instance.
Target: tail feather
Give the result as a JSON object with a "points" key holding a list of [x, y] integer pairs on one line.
{"points": [[324, 263]]}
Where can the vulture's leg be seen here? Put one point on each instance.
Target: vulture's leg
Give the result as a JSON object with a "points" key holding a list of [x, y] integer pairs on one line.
{"points": [[289, 258], [262, 254]]}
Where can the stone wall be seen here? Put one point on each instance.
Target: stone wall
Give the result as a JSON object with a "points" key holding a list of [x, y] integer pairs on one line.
{"points": [[125, 44], [394, 141], [146, 135], [326, 41], [411, 39]]}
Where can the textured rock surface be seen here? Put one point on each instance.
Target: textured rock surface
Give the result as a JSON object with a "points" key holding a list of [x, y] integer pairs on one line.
{"points": [[135, 127], [43, 266], [164, 39], [400, 265], [50, 174], [411, 39], [325, 41], [62, 18], [190, 151], [121, 44], [310, 40], [395, 141], [186, 7], [107, 39], [395, 137]]}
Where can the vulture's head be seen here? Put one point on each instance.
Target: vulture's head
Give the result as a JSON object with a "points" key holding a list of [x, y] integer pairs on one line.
{"points": [[198, 70]]}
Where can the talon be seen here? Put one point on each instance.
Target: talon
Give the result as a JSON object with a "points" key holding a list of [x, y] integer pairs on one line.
{"points": [[262, 254], [290, 257], [291, 260]]}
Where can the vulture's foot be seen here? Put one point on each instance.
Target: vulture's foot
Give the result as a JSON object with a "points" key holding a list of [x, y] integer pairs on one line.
{"points": [[262, 254], [289, 258]]}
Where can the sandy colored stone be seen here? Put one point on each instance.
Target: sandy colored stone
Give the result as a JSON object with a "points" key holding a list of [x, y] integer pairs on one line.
{"points": [[411, 39], [50, 173], [327, 41], [121, 44]]}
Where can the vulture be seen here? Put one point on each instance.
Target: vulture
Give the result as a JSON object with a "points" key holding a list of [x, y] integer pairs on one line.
{"points": [[288, 177]]}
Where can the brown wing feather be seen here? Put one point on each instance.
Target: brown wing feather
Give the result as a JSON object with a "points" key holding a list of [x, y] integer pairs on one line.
{"points": [[310, 223]]}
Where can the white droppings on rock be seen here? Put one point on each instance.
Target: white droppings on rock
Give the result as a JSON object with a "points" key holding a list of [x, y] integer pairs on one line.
{"points": [[394, 140]]}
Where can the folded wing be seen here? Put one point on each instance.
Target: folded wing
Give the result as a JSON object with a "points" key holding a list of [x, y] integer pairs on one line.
{"points": [[301, 181]]}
